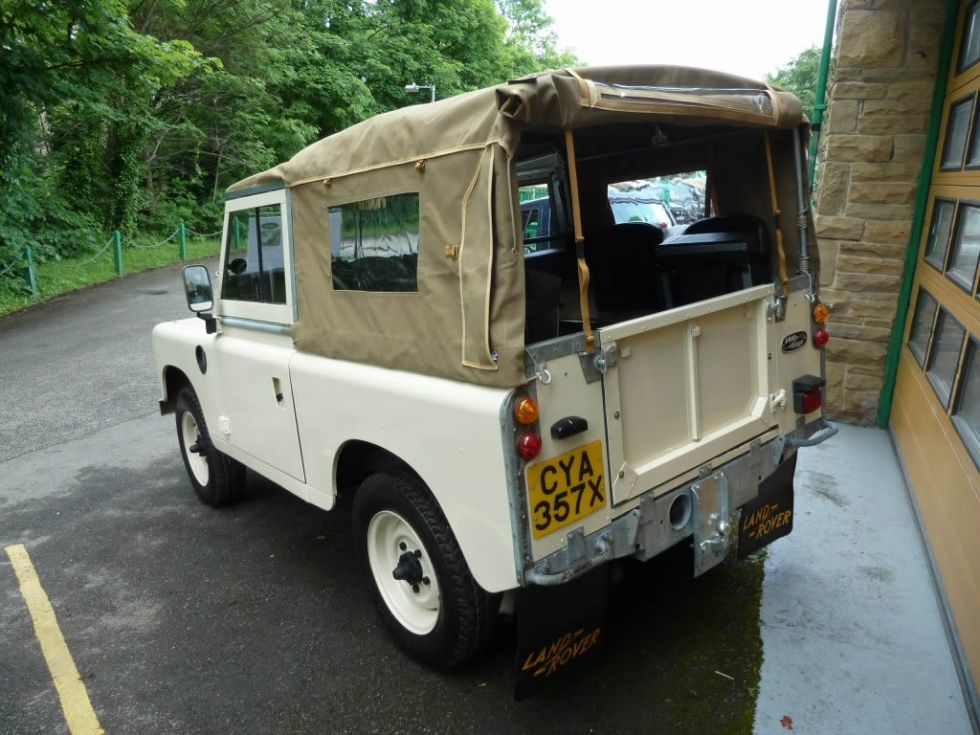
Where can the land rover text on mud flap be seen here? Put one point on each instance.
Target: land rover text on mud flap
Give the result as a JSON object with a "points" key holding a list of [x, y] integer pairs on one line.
{"points": [[510, 409]]}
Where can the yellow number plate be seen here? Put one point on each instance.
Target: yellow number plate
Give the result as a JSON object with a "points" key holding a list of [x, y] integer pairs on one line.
{"points": [[566, 488]]}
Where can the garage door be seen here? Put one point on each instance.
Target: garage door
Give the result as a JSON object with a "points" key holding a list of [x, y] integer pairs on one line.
{"points": [[936, 411]]}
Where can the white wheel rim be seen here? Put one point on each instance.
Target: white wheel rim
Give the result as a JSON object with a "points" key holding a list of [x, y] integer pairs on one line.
{"points": [[191, 434], [389, 536]]}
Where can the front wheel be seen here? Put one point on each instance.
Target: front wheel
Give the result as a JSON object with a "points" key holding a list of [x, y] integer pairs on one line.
{"points": [[216, 477], [419, 580]]}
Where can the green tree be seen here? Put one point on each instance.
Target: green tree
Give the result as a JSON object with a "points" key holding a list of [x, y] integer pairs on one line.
{"points": [[530, 42], [799, 76], [69, 71], [136, 114]]}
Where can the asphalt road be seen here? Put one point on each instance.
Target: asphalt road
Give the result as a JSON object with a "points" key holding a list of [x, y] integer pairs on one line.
{"points": [[253, 619]]}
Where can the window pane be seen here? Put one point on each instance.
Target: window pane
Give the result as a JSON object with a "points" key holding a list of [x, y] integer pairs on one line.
{"points": [[973, 160], [254, 261], [945, 355], [966, 247], [942, 222], [966, 418], [640, 201], [925, 311], [375, 244], [970, 50], [956, 130], [538, 218], [541, 217]]}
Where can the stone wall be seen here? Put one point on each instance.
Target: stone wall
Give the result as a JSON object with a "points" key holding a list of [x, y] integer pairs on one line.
{"points": [[871, 150]]}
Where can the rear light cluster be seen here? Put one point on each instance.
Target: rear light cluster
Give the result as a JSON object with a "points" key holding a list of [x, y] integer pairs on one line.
{"points": [[807, 394], [820, 335], [526, 415]]}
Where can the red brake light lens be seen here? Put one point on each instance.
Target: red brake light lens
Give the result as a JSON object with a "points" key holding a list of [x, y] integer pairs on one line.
{"points": [[821, 337], [811, 401], [529, 445], [807, 396]]}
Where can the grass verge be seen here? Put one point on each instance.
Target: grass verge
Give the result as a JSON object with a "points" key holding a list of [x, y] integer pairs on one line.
{"points": [[60, 277]]}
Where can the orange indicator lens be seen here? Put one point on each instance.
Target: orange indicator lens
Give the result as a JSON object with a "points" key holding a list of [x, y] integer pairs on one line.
{"points": [[820, 313], [526, 410]]}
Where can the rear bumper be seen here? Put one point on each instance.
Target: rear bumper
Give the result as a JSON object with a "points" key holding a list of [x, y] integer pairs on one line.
{"points": [[699, 509]]}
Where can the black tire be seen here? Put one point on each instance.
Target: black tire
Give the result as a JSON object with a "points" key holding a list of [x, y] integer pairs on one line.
{"points": [[466, 613], [225, 477]]}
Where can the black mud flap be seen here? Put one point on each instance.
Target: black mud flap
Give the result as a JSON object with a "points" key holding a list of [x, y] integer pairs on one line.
{"points": [[770, 515], [558, 630]]}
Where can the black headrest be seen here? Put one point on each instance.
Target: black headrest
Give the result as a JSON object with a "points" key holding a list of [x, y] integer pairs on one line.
{"points": [[725, 223], [639, 234]]}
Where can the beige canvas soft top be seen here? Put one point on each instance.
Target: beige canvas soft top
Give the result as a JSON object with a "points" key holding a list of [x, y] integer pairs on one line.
{"points": [[466, 321], [562, 100]]}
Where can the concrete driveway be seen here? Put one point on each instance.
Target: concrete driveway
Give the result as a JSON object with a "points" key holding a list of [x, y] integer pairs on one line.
{"points": [[253, 619]]}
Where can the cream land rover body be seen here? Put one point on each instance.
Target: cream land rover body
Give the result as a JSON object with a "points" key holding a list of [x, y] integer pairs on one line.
{"points": [[604, 392]]}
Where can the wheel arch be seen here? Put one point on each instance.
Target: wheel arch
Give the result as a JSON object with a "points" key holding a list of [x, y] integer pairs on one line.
{"points": [[476, 534], [356, 460], [172, 379]]}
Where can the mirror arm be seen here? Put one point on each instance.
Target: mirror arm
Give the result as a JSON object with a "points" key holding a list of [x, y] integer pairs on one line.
{"points": [[210, 321]]}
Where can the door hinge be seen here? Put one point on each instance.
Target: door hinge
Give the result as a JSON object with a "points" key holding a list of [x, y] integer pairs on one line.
{"points": [[776, 310], [596, 365]]}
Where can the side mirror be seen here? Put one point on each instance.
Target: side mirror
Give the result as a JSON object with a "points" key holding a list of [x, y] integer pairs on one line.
{"points": [[197, 287], [200, 298]]}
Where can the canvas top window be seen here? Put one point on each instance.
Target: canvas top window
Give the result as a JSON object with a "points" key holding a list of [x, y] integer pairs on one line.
{"points": [[374, 244]]}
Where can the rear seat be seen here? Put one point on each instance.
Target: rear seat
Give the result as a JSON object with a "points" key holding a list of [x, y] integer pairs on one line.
{"points": [[622, 270], [714, 256]]}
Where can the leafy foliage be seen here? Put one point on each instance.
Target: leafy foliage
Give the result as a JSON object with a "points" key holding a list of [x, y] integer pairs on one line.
{"points": [[800, 77], [135, 114]]}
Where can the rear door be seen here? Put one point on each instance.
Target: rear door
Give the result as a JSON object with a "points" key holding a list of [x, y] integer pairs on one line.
{"points": [[686, 385]]}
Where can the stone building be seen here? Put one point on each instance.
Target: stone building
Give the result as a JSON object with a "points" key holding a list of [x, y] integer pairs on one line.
{"points": [[871, 152], [898, 226]]}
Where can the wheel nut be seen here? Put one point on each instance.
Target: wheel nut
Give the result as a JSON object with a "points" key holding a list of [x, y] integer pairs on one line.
{"points": [[426, 580], [402, 546], [418, 553], [415, 588]]}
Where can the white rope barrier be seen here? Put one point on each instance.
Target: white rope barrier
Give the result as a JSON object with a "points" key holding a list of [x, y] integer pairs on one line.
{"points": [[156, 245], [204, 234], [87, 260]]}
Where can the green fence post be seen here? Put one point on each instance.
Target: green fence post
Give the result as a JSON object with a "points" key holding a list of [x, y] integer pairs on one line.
{"points": [[117, 251], [31, 272], [182, 240]]}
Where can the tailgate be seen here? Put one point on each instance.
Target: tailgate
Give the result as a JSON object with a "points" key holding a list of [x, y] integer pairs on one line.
{"points": [[686, 385]]}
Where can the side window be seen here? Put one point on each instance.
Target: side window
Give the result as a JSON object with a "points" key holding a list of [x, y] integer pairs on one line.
{"points": [[254, 268], [539, 219], [374, 244]]}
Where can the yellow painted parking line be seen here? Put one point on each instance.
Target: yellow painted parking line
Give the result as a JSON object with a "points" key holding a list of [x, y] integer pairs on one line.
{"points": [[78, 710]]}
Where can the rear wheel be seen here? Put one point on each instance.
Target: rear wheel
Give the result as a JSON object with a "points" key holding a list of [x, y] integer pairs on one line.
{"points": [[418, 578], [216, 477]]}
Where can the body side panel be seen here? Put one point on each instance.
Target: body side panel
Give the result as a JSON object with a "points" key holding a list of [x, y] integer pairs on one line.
{"points": [[447, 432]]}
